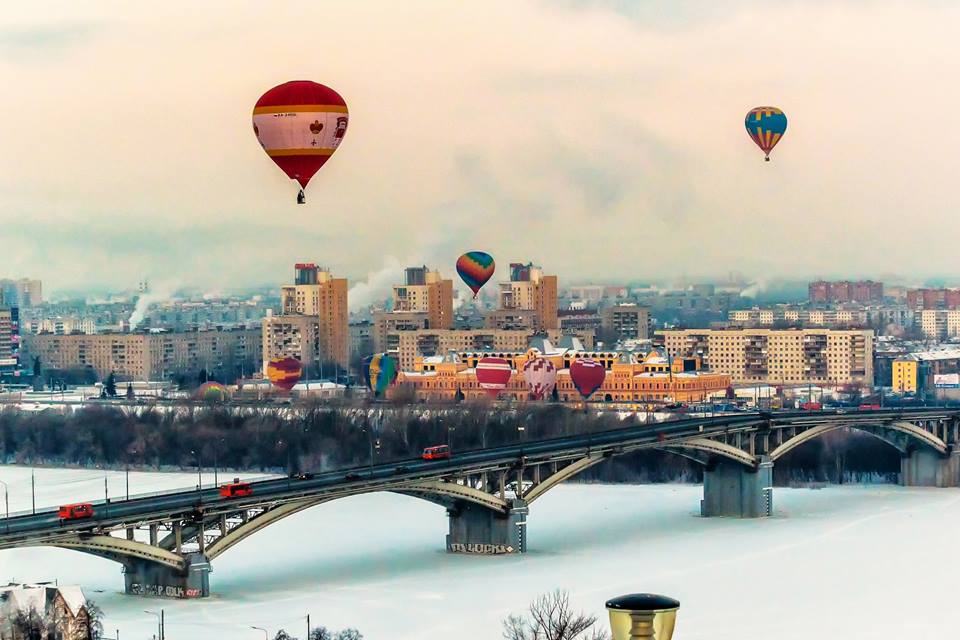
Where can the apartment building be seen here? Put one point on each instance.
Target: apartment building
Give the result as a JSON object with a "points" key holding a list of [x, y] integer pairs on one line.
{"points": [[147, 356], [779, 356], [322, 299]]}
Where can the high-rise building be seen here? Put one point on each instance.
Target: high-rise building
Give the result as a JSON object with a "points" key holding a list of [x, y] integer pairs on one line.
{"points": [[319, 296], [423, 301], [864, 291], [626, 322], [425, 291], [920, 299], [779, 356], [22, 292], [530, 290]]}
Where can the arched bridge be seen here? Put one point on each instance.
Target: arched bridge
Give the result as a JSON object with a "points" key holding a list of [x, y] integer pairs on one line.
{"points": [[166, 542]]}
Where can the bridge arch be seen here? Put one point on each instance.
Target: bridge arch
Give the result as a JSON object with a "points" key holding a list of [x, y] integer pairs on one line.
{"points": [[898, 434]]}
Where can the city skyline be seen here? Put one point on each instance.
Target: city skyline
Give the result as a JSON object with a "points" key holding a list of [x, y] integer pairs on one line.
{"points": [[628, 161]]}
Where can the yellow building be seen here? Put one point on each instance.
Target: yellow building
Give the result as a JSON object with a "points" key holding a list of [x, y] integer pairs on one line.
{"points": [[650, 379], [905, 372], [319, 297]]}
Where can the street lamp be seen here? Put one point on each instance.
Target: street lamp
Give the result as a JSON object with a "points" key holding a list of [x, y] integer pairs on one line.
{"points": [[199, 468], [265, 634], [160, 626], [6, 504]]}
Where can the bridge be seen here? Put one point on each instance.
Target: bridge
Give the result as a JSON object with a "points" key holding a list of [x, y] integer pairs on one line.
{"points": [[166, 542]]}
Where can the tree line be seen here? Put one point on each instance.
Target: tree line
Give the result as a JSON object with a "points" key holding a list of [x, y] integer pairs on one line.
{"points": [[315, 438]]}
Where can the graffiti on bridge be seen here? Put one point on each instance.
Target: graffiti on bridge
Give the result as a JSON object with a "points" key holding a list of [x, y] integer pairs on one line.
{"points": [[164, 591], [480, 549]]}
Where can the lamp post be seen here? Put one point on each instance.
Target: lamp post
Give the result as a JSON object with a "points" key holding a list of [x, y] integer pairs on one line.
{"points": [[161, 630], [265, 634], [6, 504], [640, 616], [199, 469]]}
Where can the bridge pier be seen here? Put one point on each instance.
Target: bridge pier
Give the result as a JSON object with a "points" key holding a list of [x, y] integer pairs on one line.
{"points": [[734, 490], [478, 530], [923, 467], [146, 578]]}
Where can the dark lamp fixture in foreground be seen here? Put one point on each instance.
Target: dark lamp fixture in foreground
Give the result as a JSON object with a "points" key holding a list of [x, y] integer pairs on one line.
{"points": [[642, 615]]}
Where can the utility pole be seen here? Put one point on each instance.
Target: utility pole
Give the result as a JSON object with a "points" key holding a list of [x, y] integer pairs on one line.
{"points": [[308, 626]]}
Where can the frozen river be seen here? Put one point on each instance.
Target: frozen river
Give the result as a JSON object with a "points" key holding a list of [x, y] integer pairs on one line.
{"points": [[841, 562]]}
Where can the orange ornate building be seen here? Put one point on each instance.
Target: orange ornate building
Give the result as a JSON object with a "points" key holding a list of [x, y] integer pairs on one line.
{"points": [[629, 379]]}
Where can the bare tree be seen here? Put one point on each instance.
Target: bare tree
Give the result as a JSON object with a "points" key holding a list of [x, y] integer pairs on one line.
{"points": [[551, 618]]}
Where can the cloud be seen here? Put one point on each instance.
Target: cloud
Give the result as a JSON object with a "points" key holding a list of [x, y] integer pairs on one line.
{"points": [[599, 139]]}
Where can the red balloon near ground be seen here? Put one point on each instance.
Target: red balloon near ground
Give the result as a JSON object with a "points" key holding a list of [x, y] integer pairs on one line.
{"points": [[587, 376], [284, 373], [300, 124], [493, 374]]}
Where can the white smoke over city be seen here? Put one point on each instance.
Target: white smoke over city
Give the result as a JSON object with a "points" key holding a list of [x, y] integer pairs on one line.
{"points": [[755, 289], [377, 286], [160, 292]]}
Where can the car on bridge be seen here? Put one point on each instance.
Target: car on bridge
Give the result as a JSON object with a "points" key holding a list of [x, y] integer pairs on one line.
{"points": [[77, 511], [236, 489], [439, 452]]}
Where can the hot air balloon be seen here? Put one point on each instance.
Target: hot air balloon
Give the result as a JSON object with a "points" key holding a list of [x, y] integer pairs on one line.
{"points": [[284, 373], [212, 392], [379, 372], [300, 124], [475, 268], [587, 375], [493, 374], [541, 376], [766, 125]]}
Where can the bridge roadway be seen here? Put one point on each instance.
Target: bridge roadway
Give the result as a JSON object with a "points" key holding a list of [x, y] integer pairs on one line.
{"points": [[487, 493]]}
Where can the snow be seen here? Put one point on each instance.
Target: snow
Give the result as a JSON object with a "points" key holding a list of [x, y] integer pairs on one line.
{"points": [[828, 565]]}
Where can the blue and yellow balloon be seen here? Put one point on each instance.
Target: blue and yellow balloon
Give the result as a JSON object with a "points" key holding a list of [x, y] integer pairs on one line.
{"points": [[766, 126], [379, 372]]}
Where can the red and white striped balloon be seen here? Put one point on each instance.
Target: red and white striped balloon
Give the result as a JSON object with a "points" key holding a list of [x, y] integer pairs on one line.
{"points": [[493, 374]]}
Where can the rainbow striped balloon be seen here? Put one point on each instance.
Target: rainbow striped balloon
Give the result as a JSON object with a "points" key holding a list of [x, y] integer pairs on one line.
{"points": [[475, 269]]}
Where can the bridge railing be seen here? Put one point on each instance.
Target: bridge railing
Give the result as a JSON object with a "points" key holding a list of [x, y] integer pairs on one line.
{"points": [[122, 498]]}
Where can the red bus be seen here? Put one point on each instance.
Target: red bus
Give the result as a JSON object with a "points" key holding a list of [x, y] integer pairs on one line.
{"points": [[76, 511], [236, 490], [439, 452]]}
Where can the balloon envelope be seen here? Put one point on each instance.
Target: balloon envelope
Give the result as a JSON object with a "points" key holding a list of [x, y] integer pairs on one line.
{"points": [[766, 126], [379, 372], [587, 376], [300, 124], [541, 376], [475, 269], [493, 374], [284, 373], [211, 392]]}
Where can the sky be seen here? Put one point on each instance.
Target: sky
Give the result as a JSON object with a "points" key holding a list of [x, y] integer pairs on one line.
{"points": [[601, 139]]}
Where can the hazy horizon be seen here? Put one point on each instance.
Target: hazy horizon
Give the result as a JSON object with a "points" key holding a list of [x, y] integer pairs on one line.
{"points": [[601, 139]]}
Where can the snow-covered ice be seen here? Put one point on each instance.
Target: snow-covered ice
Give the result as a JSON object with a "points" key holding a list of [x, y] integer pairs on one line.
{"points": [[841, 562]]}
